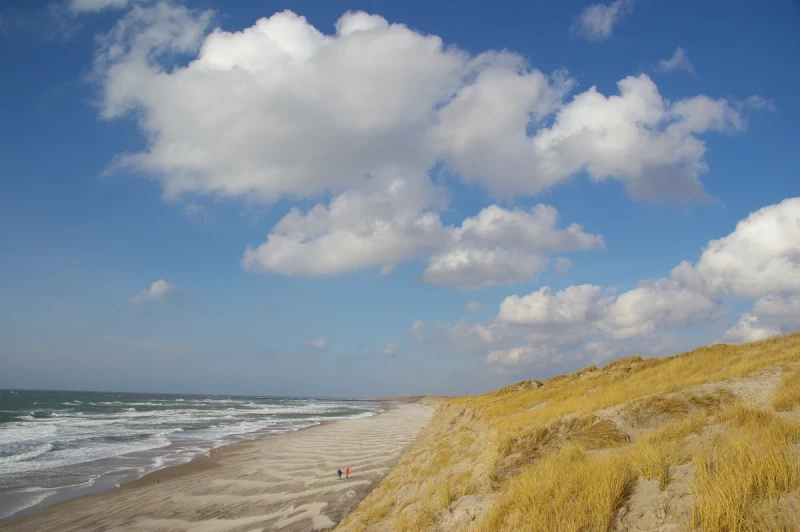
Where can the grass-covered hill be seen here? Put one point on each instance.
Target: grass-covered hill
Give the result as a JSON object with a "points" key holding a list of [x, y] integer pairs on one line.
{"points": [[705, 440]]}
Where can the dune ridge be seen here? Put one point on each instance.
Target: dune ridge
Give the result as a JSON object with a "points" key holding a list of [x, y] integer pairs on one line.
{"points": [[705, 440]]}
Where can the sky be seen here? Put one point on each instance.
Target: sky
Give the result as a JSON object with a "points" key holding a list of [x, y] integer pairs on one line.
{"points": [[374, 198]]}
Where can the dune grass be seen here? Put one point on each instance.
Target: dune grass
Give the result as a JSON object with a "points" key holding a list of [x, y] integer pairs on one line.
{"points": [[788, 395], [653, 460], [658, 404], [594, 433], [553, 494], [564, 453], [740, 477], [526, 441], [568, 394], [692, 424]]}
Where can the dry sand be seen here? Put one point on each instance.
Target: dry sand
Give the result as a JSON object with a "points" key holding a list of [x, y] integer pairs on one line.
{"points": [[286, 482]]}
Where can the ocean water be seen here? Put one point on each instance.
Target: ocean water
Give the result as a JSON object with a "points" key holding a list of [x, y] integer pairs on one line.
{"points": [[59, 445]]}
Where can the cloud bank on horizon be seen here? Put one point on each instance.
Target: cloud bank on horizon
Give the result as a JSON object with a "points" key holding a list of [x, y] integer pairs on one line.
{"points": [[365, 129], [758, 261]]}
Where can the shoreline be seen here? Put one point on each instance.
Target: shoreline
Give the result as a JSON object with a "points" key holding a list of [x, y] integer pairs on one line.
{"points": [[116, 480], [240, 456], [213, 456]]}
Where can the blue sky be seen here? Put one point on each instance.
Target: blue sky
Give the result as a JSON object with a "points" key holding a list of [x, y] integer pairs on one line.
{"points": [[194, 201]]}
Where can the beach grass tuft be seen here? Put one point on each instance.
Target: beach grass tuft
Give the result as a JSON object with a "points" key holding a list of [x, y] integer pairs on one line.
{"points": [[788, 395]]}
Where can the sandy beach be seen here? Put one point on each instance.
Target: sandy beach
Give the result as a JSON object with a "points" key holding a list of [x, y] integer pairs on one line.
{"points": [[286, 482]]}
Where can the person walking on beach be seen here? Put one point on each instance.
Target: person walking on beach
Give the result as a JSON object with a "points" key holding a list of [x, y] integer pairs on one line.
{"points": [[339, 472], [347, 473]]}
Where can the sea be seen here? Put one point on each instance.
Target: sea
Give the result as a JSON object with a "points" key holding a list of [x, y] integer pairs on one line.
{"points": [[58, 445]]}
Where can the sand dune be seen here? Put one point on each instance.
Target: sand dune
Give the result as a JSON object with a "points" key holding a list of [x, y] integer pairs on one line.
{"points": [[285, 482], [703, 440]]}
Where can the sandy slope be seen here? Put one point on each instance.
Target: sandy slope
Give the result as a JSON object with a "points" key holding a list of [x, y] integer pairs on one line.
{"points": [[285, 482], [705, 440]]}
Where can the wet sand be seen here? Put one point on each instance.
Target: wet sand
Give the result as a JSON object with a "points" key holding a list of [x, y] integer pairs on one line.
{"points": [[286, 482]]}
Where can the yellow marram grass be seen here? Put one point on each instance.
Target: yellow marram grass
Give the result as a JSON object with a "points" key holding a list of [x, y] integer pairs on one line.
{"points": [[691, 424], [565, 453], [553, 494], [653, 460], [593, 433], [788, 395], [741, 476]]}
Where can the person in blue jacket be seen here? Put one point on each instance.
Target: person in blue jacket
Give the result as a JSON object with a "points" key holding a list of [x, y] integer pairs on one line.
{"points": [[340, 474]]}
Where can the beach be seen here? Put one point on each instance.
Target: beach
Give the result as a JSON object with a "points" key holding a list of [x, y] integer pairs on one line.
{"points": [[284, 482]]}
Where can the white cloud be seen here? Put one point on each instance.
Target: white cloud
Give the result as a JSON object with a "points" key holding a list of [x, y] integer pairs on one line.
{"points": [[516, 356], [573, 305], [307, 113], [310, 115], [93, 6], [777, 307], [158, 290], [490, 117], [761, 257], [653, 305], [759, 260], [472, 334], [470, 269], [463, 335], [320, 344], [601, 352], [381, 225], [678, 61], [534, 229], [577, 312], [637, 137], [596, 22], [563, 264], [473, 306], [501, 246], [386, 222], [747, 329], [390, 350], [554, 322], [770, 315], [759, 103], [303, 112]]}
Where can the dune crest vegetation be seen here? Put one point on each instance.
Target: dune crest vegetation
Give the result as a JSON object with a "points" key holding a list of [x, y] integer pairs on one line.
{"points": [[704, 440]]}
